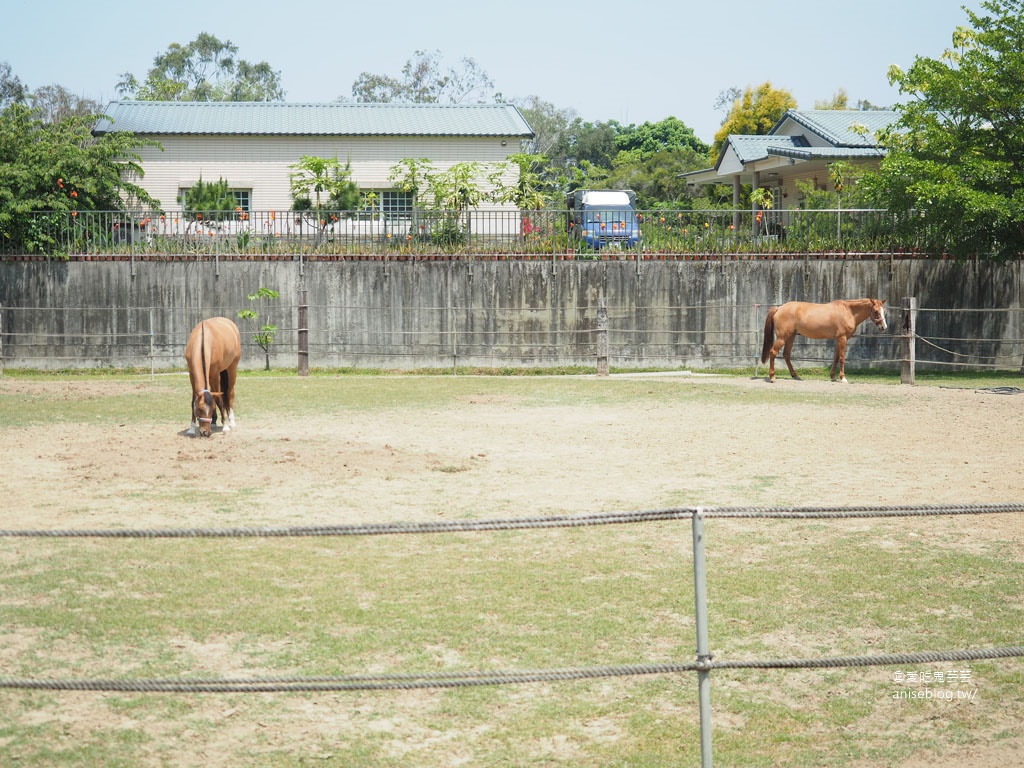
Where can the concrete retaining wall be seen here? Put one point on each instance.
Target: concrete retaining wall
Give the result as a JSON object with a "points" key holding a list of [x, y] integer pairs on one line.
{"points": [[490, 313]]}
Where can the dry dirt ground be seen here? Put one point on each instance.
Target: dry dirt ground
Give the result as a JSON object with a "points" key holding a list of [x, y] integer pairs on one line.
{"points": [[499, 455], [495, 455]]}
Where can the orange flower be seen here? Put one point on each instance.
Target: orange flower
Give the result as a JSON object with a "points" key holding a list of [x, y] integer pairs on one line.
{"points": [[60, 183], [74, 193]]}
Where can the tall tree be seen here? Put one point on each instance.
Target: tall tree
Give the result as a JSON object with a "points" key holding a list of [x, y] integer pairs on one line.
{"points": [[12, 90], [204, 70], [657, 178], [423, 82], [755, 112], [840, 100], [549, 123], [61, 169], [651, 138], [956, 155], [55, 103]]}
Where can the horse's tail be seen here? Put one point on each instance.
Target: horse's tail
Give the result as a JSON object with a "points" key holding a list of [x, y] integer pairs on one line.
{"points": [[769, 334]]}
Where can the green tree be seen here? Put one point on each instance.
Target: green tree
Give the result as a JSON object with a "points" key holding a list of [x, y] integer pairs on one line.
{"points": [[62, 169], [323, 183], [262, 335], [55, 103], [651, 138], [657, 178], [549, 123], [754, 112], [584, 142], [956, 155], [322, 190], [840, 100], [532, 189], [12, 90], [209, 201], [423, 82], [449, 194], [204, 70]]}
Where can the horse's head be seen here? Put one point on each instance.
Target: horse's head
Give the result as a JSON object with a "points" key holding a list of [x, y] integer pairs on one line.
{"points": [[204, 411], [878, 313]]}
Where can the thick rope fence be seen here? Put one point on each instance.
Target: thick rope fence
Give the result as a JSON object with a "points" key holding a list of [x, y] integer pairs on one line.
{"points": [[519, 523], [703, 665]]}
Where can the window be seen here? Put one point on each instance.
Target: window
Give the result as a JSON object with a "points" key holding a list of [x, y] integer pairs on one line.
{"points": [[390, 202], [242, 197]]}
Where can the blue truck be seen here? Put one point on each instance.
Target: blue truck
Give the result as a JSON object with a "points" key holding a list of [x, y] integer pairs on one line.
{"points": [[604, 218]]}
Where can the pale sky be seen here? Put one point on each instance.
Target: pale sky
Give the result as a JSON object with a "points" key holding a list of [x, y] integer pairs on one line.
{"points": [[633, 62]]}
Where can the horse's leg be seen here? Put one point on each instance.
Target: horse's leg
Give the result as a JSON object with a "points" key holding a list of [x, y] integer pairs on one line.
{"points": [[772, 354], [191, 431], [841, 359], [224, 403], [787, 350]]}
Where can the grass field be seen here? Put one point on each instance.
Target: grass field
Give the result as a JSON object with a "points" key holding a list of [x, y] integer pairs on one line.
{"points": [[107, 452]]}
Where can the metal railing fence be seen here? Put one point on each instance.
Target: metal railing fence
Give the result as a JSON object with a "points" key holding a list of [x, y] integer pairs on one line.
{"points": [[478, 233]]}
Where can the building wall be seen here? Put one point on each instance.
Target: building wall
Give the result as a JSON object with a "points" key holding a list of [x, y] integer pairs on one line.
{"points": [[263, 163]]}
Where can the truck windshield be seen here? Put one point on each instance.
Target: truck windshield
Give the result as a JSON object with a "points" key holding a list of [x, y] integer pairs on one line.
{"points": [[609, 216]]}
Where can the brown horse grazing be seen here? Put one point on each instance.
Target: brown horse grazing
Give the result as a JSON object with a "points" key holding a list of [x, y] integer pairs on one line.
{"points": [[836, 320], [212, 354]]}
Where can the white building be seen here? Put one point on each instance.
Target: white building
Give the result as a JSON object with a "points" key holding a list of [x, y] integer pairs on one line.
{"points": [[253, 145]]}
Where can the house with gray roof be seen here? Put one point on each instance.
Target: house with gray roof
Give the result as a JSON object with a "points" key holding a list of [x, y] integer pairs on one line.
{"points": [[253, 145], [800, 147]]}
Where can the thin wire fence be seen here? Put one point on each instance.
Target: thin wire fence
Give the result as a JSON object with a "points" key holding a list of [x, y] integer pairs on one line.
{"points": [[431, 337]]}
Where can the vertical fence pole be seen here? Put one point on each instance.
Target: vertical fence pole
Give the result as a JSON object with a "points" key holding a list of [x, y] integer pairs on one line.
{"points": [[1, 339], [700, 600], [602, 338], [303, 334], [152, 347], [908, 342]]}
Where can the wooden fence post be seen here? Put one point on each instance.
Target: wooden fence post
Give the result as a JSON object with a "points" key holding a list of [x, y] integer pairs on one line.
{"points": [[303, 334], [602, 338], [908, 342]]}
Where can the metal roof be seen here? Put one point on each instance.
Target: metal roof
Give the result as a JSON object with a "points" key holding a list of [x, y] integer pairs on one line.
{"points": [[826, 153], [843, 127], [749, 148], [273, 118]]}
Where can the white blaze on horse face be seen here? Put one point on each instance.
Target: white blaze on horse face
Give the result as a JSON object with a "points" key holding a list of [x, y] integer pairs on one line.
{"points": [[878, 316], [202, 412]]}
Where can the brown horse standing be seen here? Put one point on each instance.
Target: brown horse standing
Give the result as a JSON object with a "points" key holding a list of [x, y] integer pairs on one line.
{"points": [[836, 320], [212, 354]]}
